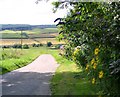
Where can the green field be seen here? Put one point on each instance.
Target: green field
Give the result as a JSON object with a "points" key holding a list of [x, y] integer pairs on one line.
{"points": [[45, 30], [16, 58], [35, 33], [29, 37]]}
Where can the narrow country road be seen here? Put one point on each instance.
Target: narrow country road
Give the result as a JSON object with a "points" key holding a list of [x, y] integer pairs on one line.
{"points": [[33, 79]]}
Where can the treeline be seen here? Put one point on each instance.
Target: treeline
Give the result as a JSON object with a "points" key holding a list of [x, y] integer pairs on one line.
{"points": [[16, 27]]}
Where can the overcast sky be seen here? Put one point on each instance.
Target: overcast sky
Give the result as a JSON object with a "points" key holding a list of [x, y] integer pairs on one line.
{"points": [[28, 12]]}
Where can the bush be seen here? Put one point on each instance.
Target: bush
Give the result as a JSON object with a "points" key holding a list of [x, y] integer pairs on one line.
{"points": [[17, 46], [25, 46], [79, 56], [37, 45], [41, 44], [33, 45], [68, 50], [49, 44], [99, 30], [6, 46], [58, 46]]}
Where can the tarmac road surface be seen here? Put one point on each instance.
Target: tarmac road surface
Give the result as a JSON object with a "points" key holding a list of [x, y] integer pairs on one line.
{"points": [[33, 79]]}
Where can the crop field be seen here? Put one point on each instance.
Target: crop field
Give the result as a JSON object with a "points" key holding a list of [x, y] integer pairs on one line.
{"points": [[29, 41], [35, 33], [45, 30], [8, 37]]}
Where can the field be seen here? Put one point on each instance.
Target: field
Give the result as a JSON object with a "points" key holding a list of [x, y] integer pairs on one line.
{"points": [[29, 37], [15, 58], [30, 41], [35, 33]]}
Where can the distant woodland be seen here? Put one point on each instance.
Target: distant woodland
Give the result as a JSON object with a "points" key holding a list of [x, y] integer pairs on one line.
{"points": [[19, 27]]}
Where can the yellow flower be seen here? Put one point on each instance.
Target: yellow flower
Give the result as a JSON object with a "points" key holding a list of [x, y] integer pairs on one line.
{"points": [[101, 74], [93, 81], [94, 65], [96, 51], [87, 66], [97, 60], [75, 52], [92, 61]]}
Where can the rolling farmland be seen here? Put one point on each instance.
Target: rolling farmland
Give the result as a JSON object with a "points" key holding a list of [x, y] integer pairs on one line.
{"points": [[8, 37], [29, 41]]}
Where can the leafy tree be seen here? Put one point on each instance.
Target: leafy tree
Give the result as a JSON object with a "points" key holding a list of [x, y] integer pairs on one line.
{"points": [[49, 44], [91, 31]]}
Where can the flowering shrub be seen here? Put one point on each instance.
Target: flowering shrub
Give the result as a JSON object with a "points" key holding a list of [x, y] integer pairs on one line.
{"points": [[101, 74], [79, 56], [93, 81], [99, 69], [95, 26]]}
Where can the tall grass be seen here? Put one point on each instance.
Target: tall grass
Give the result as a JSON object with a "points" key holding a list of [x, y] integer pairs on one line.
{"points": [[15, 58], [71, 80]]}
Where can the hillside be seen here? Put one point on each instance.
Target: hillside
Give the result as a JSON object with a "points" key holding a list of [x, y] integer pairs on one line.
{"points": [[16, 27]]}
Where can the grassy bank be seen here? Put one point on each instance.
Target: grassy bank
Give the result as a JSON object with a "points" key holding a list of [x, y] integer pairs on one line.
{"points": [[71, 80], [15, 58]]}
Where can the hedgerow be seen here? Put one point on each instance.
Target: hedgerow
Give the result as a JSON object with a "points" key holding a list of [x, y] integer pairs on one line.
{"points": [[91, 32]]}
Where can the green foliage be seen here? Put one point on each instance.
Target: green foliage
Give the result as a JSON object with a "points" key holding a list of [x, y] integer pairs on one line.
{"points": [[6, 46], [17, 46], [49, 44], [37, 45], [94, 27], [15, 58], [12, 54], [25, 46], [79, 56], [33, 45], [68, 51], [57, 46], [71, 80]]}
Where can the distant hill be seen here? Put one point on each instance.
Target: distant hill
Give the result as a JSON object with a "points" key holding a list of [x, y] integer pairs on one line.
{"points": [[18, 27]]}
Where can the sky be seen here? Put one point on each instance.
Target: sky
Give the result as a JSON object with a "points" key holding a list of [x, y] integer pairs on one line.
{"points": [[28, 12]]}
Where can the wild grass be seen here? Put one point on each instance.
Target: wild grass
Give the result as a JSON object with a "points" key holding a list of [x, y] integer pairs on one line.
{"points": [[71, 80], [16, 58]]}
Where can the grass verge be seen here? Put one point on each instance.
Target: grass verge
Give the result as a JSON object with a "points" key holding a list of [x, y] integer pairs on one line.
{"points": [[17, 58], [71, 80]]}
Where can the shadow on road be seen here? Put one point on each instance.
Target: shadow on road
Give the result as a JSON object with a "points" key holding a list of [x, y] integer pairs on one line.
{"points": [[26, 83]]}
